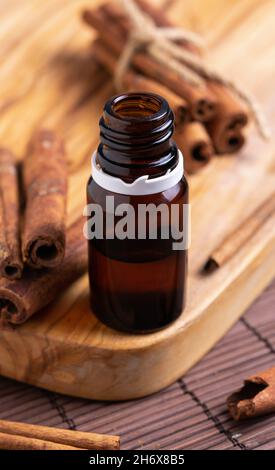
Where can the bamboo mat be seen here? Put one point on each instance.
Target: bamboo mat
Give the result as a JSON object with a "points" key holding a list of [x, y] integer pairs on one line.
{"points": [[190, 414]]}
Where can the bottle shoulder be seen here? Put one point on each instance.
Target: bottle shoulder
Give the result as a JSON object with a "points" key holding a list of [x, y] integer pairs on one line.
{"points": [[177, 193]]}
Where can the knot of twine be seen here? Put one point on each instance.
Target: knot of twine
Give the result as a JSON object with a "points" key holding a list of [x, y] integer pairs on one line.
{"points": [[160, 45]]}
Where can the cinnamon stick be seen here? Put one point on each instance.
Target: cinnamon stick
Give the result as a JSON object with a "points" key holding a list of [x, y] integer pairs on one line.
{"points": [[137, 82], [19, 300], [114, 31], [60, 437], [255, 398], [195, 144], [231, 117], [231, 114], [45, 182], [11, 264], [14, 442], [239, 237]]}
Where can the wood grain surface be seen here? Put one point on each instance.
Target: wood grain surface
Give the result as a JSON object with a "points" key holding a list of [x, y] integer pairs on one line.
{"points": [[47, 78]]}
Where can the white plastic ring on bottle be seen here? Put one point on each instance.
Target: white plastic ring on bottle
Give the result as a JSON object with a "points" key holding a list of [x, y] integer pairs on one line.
{"points": [[142, 185]]}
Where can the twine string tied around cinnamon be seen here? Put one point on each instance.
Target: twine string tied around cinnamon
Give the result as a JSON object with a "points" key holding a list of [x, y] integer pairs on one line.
{"points": [[159, 43]]}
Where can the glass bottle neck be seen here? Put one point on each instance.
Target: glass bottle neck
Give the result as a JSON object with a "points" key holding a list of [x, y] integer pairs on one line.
{"points": [[136, 137]]}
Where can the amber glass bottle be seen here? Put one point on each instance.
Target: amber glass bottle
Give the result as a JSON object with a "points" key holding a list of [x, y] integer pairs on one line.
{"points": [[137, 283]]}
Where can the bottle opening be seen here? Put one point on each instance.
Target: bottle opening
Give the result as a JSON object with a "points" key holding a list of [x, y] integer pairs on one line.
{"points": [[141, 106]]}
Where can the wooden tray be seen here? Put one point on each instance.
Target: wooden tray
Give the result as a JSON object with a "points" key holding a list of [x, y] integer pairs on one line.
{"points": [[47, 79]]}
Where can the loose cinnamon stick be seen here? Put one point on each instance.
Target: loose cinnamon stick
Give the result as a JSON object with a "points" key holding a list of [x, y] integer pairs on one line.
{"points": [[195, 144], [14, 442], [136, 82], [11, 264], [230, 118], [237, 239], [113, 32], [19, 300], [255, 398], [45, 181], [60, 437]]}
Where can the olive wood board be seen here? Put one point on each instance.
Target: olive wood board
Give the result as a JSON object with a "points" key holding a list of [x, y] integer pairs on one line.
{"points": [[48, 79]]}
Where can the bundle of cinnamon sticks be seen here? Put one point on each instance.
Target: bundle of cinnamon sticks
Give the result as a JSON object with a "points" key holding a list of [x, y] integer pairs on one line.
{"points": [[210, 119], [36, 260]]}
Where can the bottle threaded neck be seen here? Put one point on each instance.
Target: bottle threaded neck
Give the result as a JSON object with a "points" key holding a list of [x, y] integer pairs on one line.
{"points": [[136, 136]]}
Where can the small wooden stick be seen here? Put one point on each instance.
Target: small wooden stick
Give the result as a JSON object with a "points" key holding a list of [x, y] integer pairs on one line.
{"points": [[255, 398], [61, 437], [195, 144], [237, 239]]}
